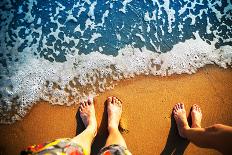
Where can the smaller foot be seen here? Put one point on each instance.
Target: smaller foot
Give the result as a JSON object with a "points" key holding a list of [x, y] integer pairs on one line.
{"points": [[196, 116], [114, 110], [87, 113], [179, 113]]}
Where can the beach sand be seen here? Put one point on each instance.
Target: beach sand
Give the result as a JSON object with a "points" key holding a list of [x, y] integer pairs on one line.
{"points": [[147, 106]]}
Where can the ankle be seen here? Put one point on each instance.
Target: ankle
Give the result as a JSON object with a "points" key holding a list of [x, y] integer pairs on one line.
{"points": [[92, 130], [112, 128], [196, 125], [184, 130]]}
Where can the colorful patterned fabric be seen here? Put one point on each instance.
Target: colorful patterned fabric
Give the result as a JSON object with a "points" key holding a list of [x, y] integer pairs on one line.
{"points": [[114, 150], [65, 146], [57, 147]]}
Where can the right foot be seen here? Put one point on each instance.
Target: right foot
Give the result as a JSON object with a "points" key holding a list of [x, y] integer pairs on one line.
{"points": [[114, 110], [179, 113], [87, 113], [196, 116]]}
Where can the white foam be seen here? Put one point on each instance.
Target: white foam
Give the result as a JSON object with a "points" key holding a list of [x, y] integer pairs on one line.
{"points": [[94, 37], [78, 29], [124, 3], [91, 10], [20, 10], [140, 37], [147, 17], [104, 16], [28, 17], [118, 36], [171, 14], [209, 25], [148, 28], [71, 18], [38, 21], [93, 69], [82, 9]]}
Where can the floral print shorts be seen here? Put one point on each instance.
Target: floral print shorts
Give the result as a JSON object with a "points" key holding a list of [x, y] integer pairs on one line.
{"points": [[66, 146]]}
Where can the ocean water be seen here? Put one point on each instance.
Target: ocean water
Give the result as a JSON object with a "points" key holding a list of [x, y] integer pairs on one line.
{"points": [[63, 51]]}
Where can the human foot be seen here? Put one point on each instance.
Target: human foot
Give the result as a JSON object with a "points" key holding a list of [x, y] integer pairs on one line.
{"points": [[196, 116], [181, 119], [114, 110], [87, 113]]}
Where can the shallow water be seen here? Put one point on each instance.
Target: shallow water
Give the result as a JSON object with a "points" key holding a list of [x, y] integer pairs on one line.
{"points": [[64, 51]]}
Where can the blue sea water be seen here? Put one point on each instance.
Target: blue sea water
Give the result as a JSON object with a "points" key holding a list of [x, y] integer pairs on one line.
{"points": [[62, 51]]}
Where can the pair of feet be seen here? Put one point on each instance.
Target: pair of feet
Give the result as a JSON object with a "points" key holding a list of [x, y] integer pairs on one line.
{"points": [[114, 110], [179, 113]]}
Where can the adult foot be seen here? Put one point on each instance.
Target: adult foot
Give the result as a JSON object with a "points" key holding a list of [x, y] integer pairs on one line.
{"points": [[196, 116], [114, 110], [179, 113], [87, 113]]}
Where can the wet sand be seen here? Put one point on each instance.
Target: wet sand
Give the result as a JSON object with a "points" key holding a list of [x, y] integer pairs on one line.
{"points": [[147, 106]]}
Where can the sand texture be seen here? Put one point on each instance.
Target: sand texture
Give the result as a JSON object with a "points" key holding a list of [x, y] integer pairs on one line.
{"points": [[147, 106]]}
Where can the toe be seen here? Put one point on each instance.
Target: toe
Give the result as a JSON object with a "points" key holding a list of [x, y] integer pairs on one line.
{"points": [[114, 100], [178, 106], [181, 105], [109, 99], [175, 108], [89, 101], [194, 107], [174, 111], [85, 103], [119, 103], [197, 107], [81, 105]]}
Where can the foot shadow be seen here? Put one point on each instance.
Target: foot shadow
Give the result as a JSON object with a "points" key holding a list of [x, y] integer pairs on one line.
{"points": [[175, 144], [102, 134], [80, 125]]}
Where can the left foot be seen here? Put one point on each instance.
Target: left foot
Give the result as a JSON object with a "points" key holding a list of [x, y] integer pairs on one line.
{"points": [[87, 113], [179, 113]]}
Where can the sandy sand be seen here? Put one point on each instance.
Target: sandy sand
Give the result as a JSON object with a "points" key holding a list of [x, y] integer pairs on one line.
{"points": [[147, 106]]}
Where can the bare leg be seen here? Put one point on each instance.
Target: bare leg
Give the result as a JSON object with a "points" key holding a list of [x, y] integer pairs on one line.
{"points": [[87, 113], [114, 109], [218, 136]]}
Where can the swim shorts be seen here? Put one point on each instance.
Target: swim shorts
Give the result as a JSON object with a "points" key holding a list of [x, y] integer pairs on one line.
{"points": [[66, 146], [114, 150], [57, 147]]}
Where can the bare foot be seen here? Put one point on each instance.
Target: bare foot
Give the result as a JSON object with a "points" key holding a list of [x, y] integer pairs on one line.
{"points": [[114, 109], [87, 113], [181, 119], [196, 116]]}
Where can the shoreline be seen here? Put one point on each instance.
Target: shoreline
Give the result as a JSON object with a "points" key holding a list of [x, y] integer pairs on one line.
{"points": [[147, 105]]}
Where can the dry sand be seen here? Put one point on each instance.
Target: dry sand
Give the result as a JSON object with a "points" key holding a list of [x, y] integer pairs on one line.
{"points": [[147, 107]]}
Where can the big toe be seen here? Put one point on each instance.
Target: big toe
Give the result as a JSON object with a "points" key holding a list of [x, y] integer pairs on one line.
{"points": [[196, 107], [109, 100]]}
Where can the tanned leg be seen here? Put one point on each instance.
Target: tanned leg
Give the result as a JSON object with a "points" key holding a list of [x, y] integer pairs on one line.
{"points": [[114, 110], [87, 113]]}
